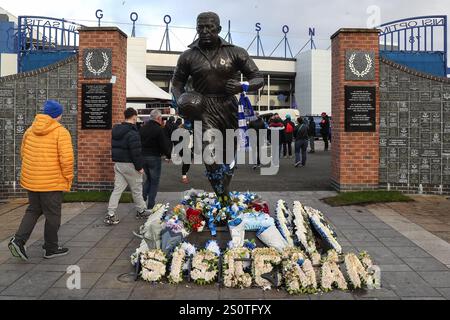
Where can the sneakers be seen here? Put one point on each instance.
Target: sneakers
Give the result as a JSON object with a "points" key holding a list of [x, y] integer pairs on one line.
{"points": [[17, 249], [111, 220], [60, 252], [143, 215], [299, 165]]}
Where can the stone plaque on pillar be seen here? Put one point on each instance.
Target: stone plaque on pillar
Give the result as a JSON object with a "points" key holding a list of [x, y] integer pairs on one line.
{"points": [[360, 109], [360, 65], [97, 63], [96, 108]]}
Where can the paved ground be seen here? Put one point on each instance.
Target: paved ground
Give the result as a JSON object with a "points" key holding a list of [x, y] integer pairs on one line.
{"points": [[430, 212], [315, 177], [414, 263]]}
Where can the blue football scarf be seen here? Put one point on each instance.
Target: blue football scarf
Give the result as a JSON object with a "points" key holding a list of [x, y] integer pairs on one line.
{"points": [[246, 115]]}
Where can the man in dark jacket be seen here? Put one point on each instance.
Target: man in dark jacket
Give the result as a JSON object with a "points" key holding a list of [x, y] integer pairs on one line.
{"points": [[312, 134], [301, 143], [325, 126], [169, 128], [155, 144], [257, 125], [128, 168], [289, 128]]}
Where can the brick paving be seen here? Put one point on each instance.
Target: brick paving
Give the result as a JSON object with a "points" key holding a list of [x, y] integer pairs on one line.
{"points": [[408, 270]]}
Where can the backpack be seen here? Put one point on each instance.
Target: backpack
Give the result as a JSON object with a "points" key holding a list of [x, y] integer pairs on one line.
{"points": [[289, 128]]}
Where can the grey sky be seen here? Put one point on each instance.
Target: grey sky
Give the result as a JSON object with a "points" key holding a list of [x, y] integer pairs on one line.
{"points": [[326, 16]]}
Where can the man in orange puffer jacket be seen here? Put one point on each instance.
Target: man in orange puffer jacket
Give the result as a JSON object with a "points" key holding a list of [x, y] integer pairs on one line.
{"points": [[47, 172]]}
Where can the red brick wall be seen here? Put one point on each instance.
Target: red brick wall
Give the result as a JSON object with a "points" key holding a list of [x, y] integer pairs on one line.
{"points": [[355, 156], [95, 167]]}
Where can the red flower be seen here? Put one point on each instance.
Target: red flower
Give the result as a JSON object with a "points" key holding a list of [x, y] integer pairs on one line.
{"points": [[195, 219], [260, 206]]}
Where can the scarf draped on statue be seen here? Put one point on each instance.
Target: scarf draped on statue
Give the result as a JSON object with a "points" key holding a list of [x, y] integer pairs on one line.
{"points": [[246, 115]]}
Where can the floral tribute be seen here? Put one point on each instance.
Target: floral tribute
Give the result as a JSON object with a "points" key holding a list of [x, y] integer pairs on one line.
{"points": [[234, 266], [302, 250], [153, 265], [205, 264], [299, 273]]}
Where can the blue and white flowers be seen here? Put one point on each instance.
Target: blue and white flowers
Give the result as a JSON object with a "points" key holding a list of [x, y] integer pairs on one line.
{"points": [[303, 230], [327, 234], [284, 220]]}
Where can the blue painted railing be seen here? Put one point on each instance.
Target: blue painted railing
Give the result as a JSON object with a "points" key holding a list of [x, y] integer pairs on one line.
{"points": [[416, 35], [36, 35]]}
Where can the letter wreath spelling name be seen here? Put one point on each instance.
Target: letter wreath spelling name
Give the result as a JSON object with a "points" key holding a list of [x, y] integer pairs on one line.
{"points": [[303, 261]]}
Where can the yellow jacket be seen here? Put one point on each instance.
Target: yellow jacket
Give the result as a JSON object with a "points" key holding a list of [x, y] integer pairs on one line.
{"points": [[47, 156]]}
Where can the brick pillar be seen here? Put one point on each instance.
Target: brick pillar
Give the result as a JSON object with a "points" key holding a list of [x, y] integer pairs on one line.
{"points": [[355, 155], [95, 167]]}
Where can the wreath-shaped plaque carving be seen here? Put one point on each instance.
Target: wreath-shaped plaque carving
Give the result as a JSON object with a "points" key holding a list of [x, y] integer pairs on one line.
{"points": [[365, 72], [91, 69]]}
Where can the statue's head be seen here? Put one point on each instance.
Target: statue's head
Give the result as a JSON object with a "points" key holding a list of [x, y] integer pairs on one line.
{"points": [[208, 28]]}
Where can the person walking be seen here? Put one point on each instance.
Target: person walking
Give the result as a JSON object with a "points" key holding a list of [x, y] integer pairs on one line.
{"points": [[128, 167], [170, 127], [288, 136], [47, 172], [155, 144], [301, 143], [277, 125], [325, 125], [312, 134], [257, 125]]}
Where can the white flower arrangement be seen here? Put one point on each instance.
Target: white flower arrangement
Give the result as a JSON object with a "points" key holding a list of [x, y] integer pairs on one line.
{"points": [[176, 268], [366, 260], [292, 251], [323, 228], [303, 230], [264, 261], [316, 258], [234, 271], [356, 271], [331, 274], [205, 267], [153, 265], [135, 256], [299, 273], [283, 214], [374, 273]]}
